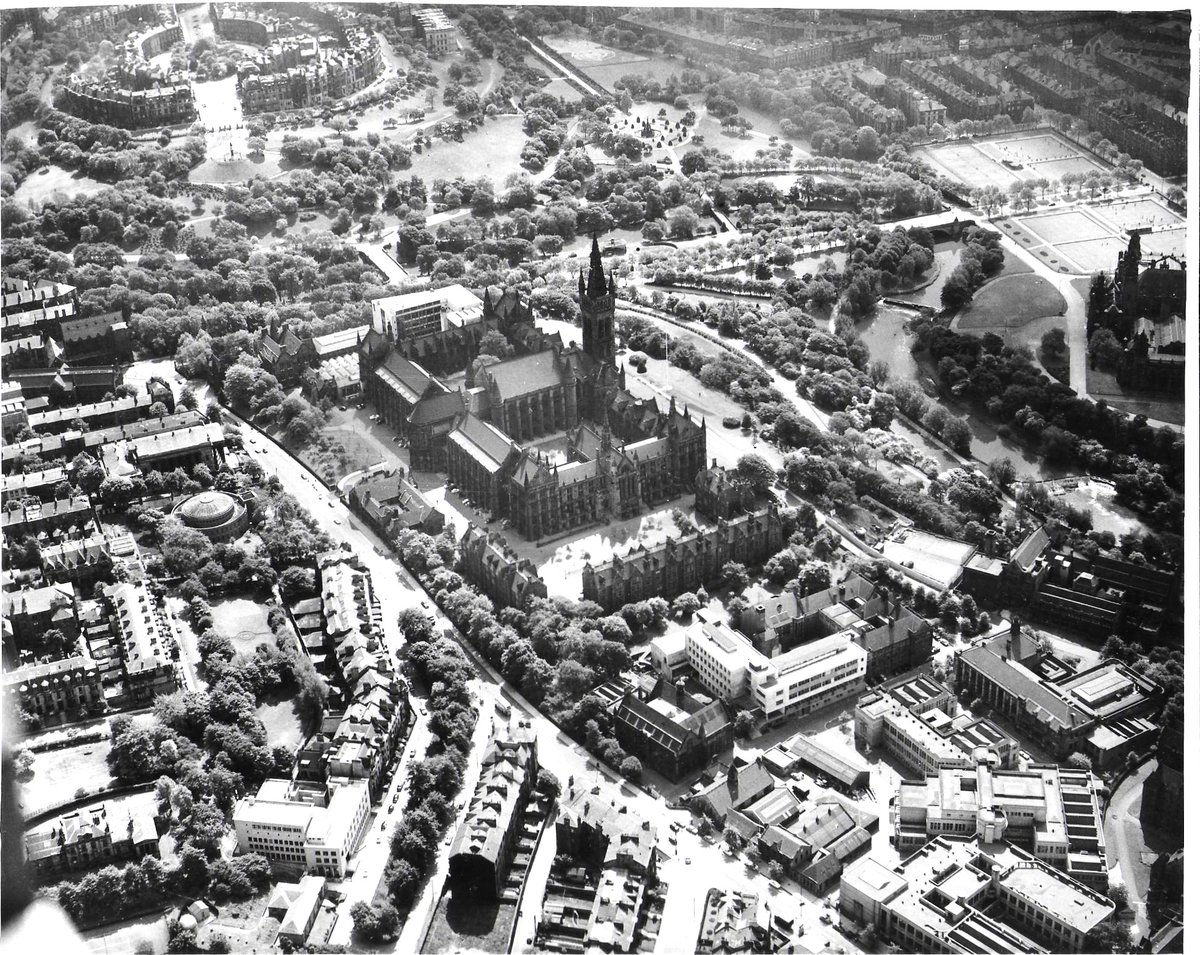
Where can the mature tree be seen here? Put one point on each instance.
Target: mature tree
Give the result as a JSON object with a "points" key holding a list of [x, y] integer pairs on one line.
{"points": [[755, 470]]}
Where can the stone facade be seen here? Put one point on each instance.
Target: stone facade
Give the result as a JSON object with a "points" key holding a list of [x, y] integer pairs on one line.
{"points": [[622, 452], [678, 565]]}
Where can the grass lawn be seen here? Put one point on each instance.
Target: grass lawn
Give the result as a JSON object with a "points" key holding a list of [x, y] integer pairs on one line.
{"points": [[1011, 302], [460, 926], [244, 622], [56, 183], [1103, 384], [58, 773], [493, 150], [363, 443], [243, 923], [282, 723]]}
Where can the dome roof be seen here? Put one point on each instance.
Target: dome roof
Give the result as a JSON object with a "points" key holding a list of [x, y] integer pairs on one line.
{"points": [[207, 509]]}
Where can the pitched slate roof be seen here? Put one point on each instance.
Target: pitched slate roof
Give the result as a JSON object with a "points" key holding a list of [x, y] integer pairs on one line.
{"points": [[485, 443], [525, 375], [437, 408], [412, 379], [1030, 549]]}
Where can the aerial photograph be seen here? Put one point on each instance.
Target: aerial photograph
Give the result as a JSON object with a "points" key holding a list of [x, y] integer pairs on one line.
{"points": [[497, 478]]}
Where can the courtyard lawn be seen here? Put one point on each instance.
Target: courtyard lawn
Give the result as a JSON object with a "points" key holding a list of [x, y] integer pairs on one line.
{"points": [[59, 773], [1012, 302], [563, 569]]}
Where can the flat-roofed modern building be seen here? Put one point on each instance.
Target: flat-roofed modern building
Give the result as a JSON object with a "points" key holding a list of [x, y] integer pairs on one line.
{"points": [[799, 681], [313, 829], [964, 895], [1052, 812], [921, 727], [894, 637], [416, 314], [1104, 712]]}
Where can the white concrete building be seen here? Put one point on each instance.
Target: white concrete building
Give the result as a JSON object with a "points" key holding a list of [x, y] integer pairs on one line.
{"points": [[310, 828], [805, 678], [1051, 811], [415, 314], [963, 895]]}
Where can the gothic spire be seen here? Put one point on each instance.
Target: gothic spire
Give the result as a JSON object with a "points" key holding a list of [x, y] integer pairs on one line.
{"points": [[596, 284]]}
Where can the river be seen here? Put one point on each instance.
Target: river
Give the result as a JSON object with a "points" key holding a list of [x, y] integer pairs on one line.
{"points": [[886, 335]]}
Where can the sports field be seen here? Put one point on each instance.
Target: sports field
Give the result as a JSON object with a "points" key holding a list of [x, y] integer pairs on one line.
{"points": [[1031, 156], [1088, 237], [606, 65], [1058, 227]]}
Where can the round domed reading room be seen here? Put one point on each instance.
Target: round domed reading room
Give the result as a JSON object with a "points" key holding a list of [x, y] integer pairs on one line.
{"points": [[215, 514]]}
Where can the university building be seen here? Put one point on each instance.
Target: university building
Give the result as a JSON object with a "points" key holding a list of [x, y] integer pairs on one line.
{"points": [[682, 564], [967, 895], [1051, 811], [1105, 712], [894, 637], [622, 453]]}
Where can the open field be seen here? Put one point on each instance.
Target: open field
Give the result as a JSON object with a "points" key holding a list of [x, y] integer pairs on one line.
{"points": [[1167, 242], [460, 926], [1093, 255], [1104, 384], [282, 723], [1137, 213], [58, 773], [981, 162], [1011, 302], [54, 184], [606, 65], [493, 150]]}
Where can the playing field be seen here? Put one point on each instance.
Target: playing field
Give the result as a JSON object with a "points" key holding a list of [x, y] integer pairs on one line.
{"points": [[606, 65], [1094, 255], [1167, 242], [1088, 238], [1032, 156], [1058, 227], [1138, 214]]}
